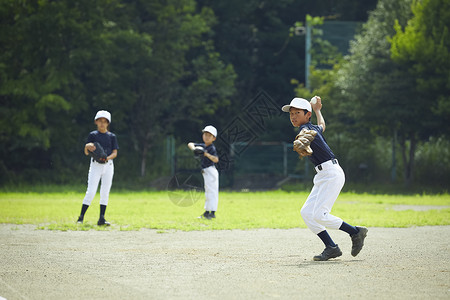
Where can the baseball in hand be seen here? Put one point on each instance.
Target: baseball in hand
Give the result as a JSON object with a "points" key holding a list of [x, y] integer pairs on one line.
{"points": [[313, 100]]}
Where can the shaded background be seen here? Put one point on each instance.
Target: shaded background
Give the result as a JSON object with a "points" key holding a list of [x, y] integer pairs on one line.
{"points": [[165, 69]]}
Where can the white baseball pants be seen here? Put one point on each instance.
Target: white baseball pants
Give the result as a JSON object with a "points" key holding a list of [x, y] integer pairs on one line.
{"points": [[328, 183], [211, 178], [98, 171]]}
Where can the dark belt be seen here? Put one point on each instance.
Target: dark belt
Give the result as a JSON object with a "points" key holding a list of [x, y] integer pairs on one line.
{"points": [[334, 161]]}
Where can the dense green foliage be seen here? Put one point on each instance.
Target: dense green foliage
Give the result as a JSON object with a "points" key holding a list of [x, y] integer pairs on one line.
{"points": [[382, 94], [151, 64], [422, 48], [166, 68]]}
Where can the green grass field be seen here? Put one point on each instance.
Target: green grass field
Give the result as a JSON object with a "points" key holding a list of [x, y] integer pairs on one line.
{"points": [[237, 210]]}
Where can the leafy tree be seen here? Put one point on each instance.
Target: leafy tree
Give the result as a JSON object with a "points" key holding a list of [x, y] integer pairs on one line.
{"points": [[183, 79], [325, 65], [423, 48], [255, 38], [154, 64], [379, 94], [150, 63], [45, 47]]}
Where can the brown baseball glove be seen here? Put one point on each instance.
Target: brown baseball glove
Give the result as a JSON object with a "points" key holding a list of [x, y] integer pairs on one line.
{"points": [[303, 141]]}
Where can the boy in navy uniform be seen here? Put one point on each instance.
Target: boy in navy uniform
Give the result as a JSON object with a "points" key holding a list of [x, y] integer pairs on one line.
{"points": [[100, 171], [328, 183], [209, 171]]}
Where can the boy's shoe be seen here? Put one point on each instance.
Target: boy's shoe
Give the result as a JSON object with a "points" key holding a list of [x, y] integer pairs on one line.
{"points": [[358, 240], [205, 215], [103, 222], [329, 252], [80, 220], [212, 215]]}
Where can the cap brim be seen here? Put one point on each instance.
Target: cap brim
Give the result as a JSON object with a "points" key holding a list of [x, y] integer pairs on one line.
{"points": [[286, 108]]}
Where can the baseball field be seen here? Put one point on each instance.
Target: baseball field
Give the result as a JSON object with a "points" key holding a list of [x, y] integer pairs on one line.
{"points": [[257, 248]]}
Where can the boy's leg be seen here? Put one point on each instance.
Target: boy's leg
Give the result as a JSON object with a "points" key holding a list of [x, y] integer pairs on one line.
{"points": [[205, 180], [329, 185], [348, 228], [308, 212], [107, 178], [84, 208], [211, 177], [316, 210], [101, 219], [357, 234], [308, 209], [95, 173], [94, 176]]}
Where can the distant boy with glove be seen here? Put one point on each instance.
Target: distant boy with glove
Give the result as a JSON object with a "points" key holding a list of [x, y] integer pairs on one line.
{"points": [[209, 171], [101, 167]]}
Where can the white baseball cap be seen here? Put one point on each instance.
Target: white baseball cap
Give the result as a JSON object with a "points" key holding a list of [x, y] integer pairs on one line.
{"points": [[299, 103], [103, 114], [210, 129]]}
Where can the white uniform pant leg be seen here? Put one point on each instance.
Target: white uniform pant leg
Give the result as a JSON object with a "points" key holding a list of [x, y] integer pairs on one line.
{"points": [[94, 175], [211, 178], [316, 210], [107, 178], [98, 171]]}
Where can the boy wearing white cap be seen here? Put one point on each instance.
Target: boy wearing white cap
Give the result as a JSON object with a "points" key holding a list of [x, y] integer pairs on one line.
{"points": [[328, 182], [209, 171], [100, 171]]}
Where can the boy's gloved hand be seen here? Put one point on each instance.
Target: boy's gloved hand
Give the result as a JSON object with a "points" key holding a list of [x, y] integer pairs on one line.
{"points": [[199, 151], [98, 154], [303, 141]]}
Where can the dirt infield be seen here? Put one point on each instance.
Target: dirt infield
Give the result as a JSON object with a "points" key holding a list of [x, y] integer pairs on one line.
{"points": [[396, 263]]}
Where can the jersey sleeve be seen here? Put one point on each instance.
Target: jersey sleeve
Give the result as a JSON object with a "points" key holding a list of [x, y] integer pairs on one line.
{"points": [[318, 128], [91, 137], [114, 143], [212, 150], [200, 144]]}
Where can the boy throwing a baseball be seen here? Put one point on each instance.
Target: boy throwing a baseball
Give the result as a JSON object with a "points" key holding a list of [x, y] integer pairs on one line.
{"points": [[209, 171], [328, 182]]}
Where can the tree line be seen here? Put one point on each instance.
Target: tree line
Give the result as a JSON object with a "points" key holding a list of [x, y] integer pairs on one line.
{"points": [[166, 68]]}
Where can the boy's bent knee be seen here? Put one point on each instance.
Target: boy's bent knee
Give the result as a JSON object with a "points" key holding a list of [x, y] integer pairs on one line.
{"points": [[306, 215], [320, 217]]}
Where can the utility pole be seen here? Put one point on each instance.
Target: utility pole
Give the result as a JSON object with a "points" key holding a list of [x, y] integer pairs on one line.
{"points": [[307, 53]]}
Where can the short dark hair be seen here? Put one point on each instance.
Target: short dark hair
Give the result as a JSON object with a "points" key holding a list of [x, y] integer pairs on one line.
{"points": [[307, 111]]}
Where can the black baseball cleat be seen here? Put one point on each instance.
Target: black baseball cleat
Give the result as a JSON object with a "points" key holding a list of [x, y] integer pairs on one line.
{"points": [[329, 252], [358, 240], [103, 222], [80, 220], [212, 215], [205, 215]]}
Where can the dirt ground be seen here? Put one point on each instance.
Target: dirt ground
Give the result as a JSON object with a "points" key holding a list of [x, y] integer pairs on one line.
{"points": [[395, 263]]}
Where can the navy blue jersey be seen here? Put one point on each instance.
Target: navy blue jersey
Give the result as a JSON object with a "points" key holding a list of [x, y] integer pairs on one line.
{"points": [[108, 140], [321, 150], [211, 149]]}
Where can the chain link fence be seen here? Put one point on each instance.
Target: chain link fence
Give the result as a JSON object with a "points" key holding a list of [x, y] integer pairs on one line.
{"points": [[256, 166]]}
